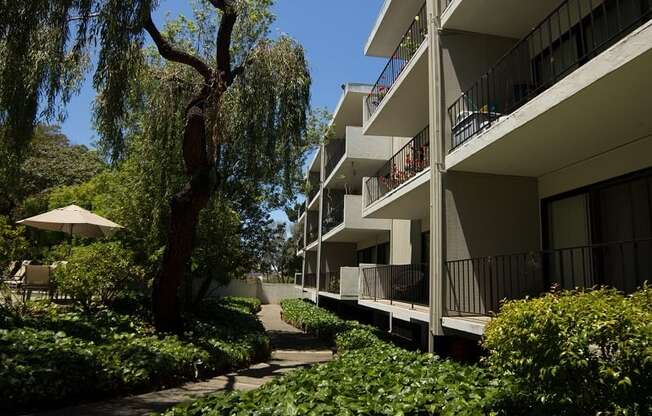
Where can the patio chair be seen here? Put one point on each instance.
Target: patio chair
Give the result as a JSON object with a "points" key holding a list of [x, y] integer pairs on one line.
{"points": [[37, 278], [15, 280]]}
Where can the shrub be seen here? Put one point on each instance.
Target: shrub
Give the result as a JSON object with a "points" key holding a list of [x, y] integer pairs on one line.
{"points": [[97, 273], [576, 352], [345, 335], [381, 380], [356, 338], [250, 305]]}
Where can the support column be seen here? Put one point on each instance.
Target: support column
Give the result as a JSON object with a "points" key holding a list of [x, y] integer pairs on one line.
{"points": [[436, 100], [320, 220]]}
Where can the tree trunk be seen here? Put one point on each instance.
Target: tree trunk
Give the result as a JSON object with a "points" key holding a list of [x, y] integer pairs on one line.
{"points": [[185, 207]]}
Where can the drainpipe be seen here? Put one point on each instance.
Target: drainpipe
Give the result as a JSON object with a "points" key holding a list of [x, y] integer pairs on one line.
{"points": [[321, 213], [436, 100]]}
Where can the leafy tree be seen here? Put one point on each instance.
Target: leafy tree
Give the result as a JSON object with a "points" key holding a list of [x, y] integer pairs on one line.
{"points": [[50, 161], [13, 244], [240, 105]]}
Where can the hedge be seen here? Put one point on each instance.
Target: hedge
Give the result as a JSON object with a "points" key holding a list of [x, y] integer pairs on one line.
{"points": [[345, 335], [55, 356]]}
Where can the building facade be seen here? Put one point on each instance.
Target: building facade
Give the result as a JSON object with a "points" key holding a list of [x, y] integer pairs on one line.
{"points": [[507, 149]]}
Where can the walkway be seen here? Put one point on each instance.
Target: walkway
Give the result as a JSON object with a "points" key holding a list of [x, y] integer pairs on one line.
{"points": [[291, 349]]}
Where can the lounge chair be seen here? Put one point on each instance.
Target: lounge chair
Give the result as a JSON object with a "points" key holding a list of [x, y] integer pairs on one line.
{"points": [[15, 280], [37, 278]]}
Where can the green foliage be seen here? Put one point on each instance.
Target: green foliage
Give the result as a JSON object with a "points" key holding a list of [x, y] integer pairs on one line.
{"points": [[346, 335], [356, 338], [52, 355], [13, 244], [97, 273], [381, 380], [53, 161], [249, 305], [576, 352]]}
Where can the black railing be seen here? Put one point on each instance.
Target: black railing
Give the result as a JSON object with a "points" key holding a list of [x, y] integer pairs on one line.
{"points": [[409, 284], [568, 38], [334, 151], [477, 286], [310, 280], [333, 213], [312, 234], [413, 158], [313, 186], [410, 43], [330, 282]]}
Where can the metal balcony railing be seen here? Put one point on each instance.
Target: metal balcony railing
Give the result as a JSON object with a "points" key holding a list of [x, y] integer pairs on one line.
{"points": [[312, 234], [310, 280], [330, 282], [412, 159], [410, 43], [333, 214], [409, 284], [477, 286], [334, 152], [568, 38]]}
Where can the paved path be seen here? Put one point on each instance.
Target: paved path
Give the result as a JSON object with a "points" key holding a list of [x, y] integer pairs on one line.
{"points": [[291, 349]]}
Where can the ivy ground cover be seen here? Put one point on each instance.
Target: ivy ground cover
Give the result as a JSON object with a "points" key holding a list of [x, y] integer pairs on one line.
{"points": [[54, 356]]}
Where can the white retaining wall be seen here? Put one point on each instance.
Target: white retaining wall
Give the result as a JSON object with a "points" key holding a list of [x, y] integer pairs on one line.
{"points": [[268, 293]]}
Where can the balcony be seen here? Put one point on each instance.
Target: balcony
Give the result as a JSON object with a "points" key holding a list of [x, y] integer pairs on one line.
{"points": [[405, 173], [394, 17], [505, 18], [343, 221], [333, 213], [403, 290], [310, 281], [565, 46], [362, 156], [314, 179], [334, 152], [399, 98], [329, 282], [341, 284], [312, 230], [476, 287]]}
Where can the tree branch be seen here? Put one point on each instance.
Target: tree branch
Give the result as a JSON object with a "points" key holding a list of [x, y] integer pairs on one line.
{"points": [[221, 4], [224, 35], [173, 54]]}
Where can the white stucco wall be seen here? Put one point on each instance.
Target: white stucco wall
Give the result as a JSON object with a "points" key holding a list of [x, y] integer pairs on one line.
{"points": [[268, 293]]}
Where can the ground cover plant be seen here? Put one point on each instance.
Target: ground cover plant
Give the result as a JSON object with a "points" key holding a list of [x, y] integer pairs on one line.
{"points": [[54, 355], [546, 356], [378, 380], [345, 335]]}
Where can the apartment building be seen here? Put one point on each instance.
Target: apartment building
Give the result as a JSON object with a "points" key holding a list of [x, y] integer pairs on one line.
{"points": [[524, 159], [342, 245]]}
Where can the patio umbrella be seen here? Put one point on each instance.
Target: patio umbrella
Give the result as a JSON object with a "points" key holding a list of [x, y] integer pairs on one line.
{"points": [[73, 220]]}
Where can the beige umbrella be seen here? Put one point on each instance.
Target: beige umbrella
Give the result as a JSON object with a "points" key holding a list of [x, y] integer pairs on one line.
{"points": [[73, 220]]}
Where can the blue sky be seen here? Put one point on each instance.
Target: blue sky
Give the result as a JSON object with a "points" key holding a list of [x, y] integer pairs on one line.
{"points": [[332, 32]]}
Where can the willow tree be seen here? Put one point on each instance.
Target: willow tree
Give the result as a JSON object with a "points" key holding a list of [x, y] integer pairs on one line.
{"points": [[246, 94]]}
